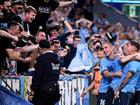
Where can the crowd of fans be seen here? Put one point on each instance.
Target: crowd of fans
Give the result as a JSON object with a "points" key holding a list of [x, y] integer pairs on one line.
{"points": [[108, 52]]}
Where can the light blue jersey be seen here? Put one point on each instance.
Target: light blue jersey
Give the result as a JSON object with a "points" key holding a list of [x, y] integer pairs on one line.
{"points": [[133, 67], [111, 66], [138, 84], [117, 67], [84, 33]]}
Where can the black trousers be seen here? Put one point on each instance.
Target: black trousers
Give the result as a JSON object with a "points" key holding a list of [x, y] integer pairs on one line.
{"points": [[136, 100], [47, 95], [102, 99], [111, 100], [107, 98], [126, 98]]}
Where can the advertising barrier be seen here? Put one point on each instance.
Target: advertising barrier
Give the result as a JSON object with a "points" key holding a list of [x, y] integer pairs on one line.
{"points": [[71, 87]]}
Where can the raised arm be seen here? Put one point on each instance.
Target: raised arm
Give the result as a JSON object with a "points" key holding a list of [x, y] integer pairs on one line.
{"points": [[27, 48], [67, 24], [89, 23], [127, 58], [8, 35], [66, 3]]}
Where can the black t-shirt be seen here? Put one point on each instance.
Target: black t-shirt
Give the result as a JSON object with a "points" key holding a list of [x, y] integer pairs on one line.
{"points": [[4, 21], [20, 20], [63, 39], [3, 24], [44, 7], [5, 43], [46, 70], [44, 10], [68, 58]]}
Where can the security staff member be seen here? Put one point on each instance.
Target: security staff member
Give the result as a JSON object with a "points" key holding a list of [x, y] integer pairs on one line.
{"points": [[45, 88]]}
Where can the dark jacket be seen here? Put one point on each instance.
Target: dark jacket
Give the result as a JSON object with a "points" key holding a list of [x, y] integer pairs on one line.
{"points": [[46, 71]]}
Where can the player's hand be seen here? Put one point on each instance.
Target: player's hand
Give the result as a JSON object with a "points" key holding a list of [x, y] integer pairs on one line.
{"points": [[84, 93]]}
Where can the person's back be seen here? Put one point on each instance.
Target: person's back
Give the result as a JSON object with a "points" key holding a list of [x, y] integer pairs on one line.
{"points": [[49, 68], [45, 86]]}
